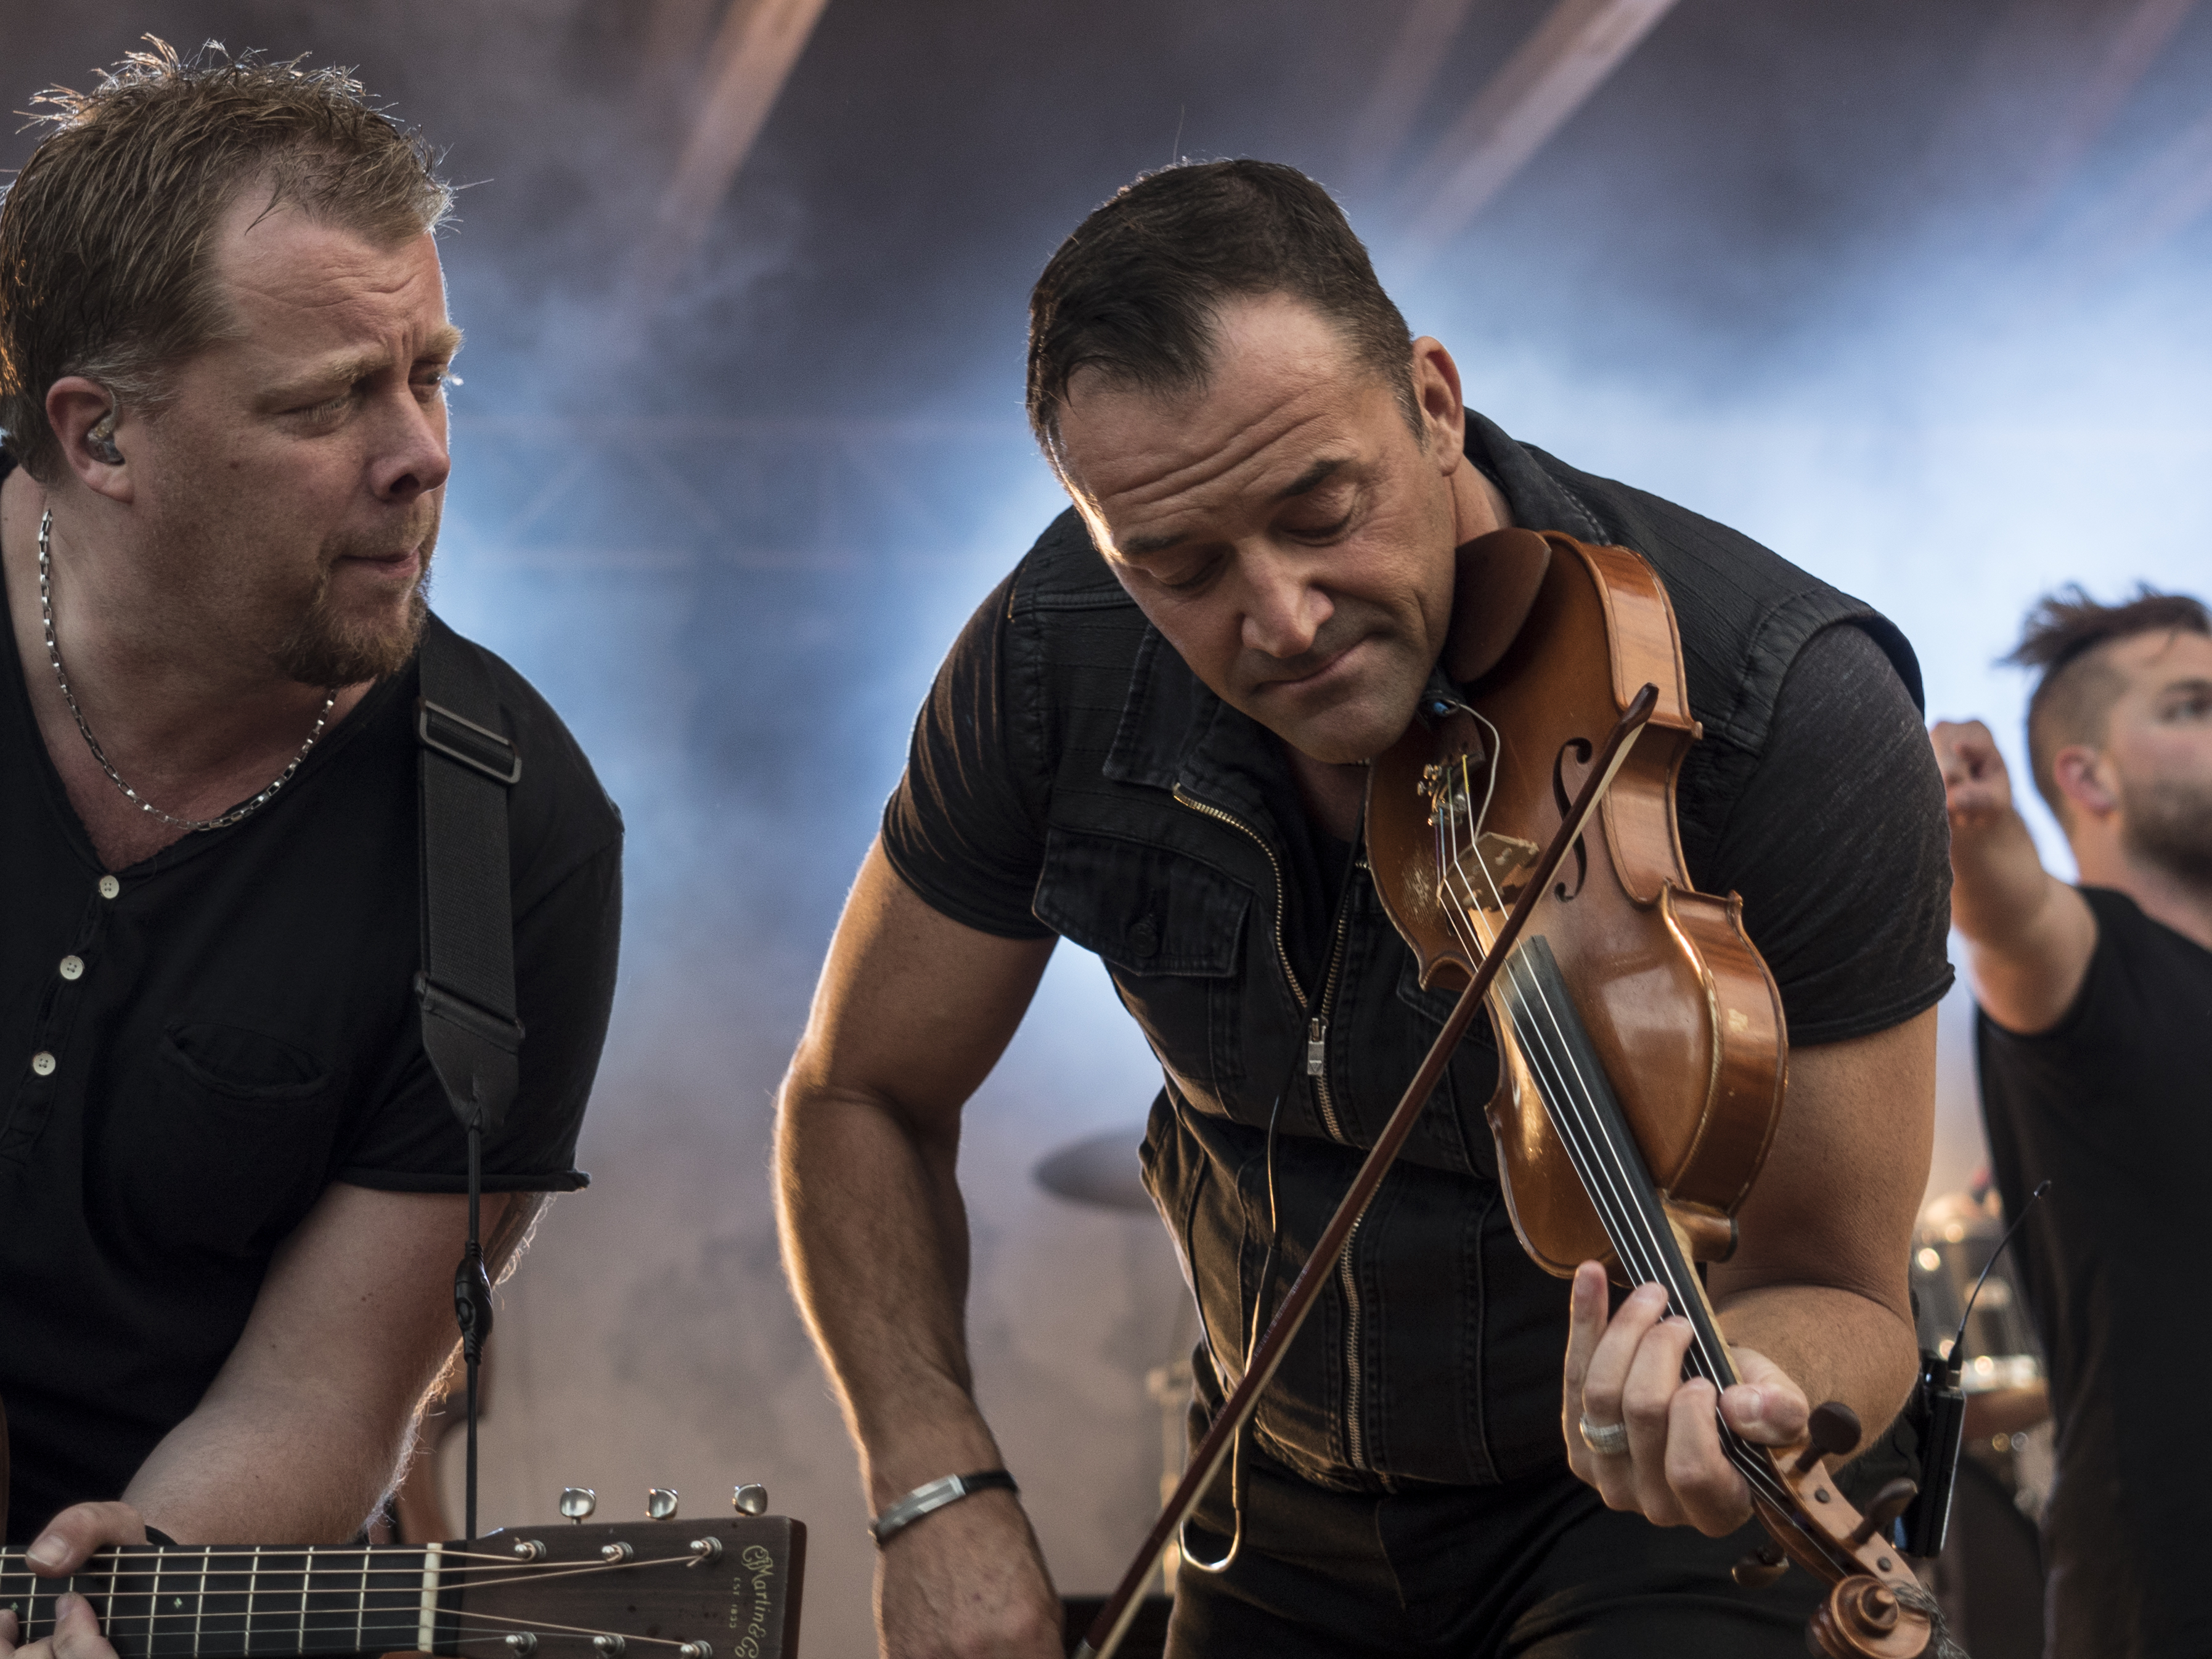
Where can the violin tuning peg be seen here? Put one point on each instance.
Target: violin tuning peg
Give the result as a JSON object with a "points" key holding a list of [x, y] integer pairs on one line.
{"points": [[1760, 1568], [577, 1502], [660, 1504], [750, 1499], [1891, 1501], [1835, 1432]]}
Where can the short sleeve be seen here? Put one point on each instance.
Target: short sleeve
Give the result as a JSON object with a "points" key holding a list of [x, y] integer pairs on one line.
{"points": [[964, 828], [1840, 847], [566, 948]]}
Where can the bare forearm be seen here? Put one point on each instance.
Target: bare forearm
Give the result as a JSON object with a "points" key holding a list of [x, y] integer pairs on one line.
{"points": [[1835, 1344], [269, 1469], [2029, 936], [876, 1239], [2000, 894]]}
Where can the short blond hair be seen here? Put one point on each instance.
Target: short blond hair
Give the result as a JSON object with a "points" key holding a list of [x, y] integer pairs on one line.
{"points": [[107, 235]]}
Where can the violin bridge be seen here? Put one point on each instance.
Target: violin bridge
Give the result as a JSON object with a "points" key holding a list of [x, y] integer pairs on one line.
{"points": [[1506, 860]]}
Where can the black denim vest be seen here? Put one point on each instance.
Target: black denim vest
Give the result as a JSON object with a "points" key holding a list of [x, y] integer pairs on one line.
{"points": [[1435, 1356]]}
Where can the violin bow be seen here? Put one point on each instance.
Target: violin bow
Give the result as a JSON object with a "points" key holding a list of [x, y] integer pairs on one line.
{"points": [[1113, 1621]]}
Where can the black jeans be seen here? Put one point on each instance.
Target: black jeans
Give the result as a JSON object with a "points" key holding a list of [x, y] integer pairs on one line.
{"points": [[1535, 1569]]}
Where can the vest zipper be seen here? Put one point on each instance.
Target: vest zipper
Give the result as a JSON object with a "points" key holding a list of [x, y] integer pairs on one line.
{"points": [[1317, 1069], [1282, 951], [1347, 1279], [1355, 1437]]}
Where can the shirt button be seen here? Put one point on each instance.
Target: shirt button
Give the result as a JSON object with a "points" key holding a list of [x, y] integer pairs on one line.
{"points": [[43, 1063], [109, 887], [72, 967]]}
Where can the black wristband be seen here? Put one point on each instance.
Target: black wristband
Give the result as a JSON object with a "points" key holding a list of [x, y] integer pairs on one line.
{"points": [[935, 1495]]}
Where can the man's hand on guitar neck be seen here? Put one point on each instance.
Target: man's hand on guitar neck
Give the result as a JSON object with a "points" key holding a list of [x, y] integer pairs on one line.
{"points": [[71, 1540]]}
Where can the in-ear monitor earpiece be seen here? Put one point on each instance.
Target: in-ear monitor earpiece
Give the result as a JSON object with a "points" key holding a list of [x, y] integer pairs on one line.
{"points": [[100, 440]]}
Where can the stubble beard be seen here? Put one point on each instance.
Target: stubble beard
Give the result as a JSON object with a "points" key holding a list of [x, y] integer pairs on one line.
{"points": [[326, 649], [2168, 824]]}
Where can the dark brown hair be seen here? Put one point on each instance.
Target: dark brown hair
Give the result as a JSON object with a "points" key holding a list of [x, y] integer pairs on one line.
{"points": [[1135, 291], [107, 235], [2076, 692]]}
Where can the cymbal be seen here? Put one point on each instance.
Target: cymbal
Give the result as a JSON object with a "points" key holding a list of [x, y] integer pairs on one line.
{"points": [[1100, 1169]]}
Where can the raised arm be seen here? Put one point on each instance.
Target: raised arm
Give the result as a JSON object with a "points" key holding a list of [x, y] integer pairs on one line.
{"points": [[913, 1011], [2029, 936]]}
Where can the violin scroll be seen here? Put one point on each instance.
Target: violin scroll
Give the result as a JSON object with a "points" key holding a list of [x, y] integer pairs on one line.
{"points": [[1865, 1618], [1875, 1608]]}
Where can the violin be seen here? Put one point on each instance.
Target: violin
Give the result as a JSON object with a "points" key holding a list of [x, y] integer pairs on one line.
{"points": [[1642, 1045], [1644, 1053]]}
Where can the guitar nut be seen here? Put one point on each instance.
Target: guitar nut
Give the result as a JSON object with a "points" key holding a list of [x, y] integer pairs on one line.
{"points": [[705, 1549], [522, 1644], [696, 1650], [530, 1549], [611, 1646], [616, 1552]]}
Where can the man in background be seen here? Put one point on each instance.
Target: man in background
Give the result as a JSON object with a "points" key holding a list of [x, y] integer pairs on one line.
{"points": [[2095, 1042], [231, 1187]]}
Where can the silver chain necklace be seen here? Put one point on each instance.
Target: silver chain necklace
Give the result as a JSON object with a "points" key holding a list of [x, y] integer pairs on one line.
{"points": [[54, 656]]}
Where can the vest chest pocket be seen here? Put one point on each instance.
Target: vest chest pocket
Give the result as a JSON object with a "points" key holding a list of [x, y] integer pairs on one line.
{"points": [[1170, 930]]}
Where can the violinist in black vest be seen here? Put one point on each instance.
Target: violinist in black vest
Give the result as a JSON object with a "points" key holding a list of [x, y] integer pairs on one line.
{"points": [[232, 1190], [1151, 742]]}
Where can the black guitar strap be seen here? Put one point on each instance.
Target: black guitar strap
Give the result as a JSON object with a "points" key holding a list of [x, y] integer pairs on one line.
{"points": [[467, 985]]}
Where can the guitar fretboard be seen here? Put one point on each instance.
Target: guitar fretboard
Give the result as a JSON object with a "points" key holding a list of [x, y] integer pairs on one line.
{"points": [[237, 1601]]}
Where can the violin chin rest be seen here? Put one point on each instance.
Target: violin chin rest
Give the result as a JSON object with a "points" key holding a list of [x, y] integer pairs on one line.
{"points": [[1495, 587]]}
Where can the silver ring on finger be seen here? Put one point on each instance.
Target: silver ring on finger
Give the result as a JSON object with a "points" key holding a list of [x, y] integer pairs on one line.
{"points": [[1606, 1439]]}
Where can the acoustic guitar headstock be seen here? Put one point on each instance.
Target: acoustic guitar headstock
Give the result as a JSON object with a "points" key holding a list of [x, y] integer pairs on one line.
{"points": [[661, 1588]]}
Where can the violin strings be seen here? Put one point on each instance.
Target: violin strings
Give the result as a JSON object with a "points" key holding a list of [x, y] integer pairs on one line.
{"points": [[1606, 1178]]}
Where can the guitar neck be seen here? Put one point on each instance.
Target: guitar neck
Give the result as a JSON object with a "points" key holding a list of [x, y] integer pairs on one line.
{"points": [[232, 1602]]}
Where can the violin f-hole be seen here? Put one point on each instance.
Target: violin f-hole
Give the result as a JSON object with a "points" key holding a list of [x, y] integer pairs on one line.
{"points": [[1564, 799]]}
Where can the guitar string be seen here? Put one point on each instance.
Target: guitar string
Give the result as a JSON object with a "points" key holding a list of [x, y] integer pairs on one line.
{"points": [[188, 1556], [512, 1572], [467, 1627], [1614, 1194]]}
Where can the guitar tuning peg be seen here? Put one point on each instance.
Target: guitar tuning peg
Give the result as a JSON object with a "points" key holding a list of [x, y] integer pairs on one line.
{"points": [[577, 1502], [1760, 1568], [660, 1504], [750, 1499]]}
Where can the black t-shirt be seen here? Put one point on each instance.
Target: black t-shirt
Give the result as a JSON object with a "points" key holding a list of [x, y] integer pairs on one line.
{"points": [[1838, 843], [193, 1058], [2113, 1105]]}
